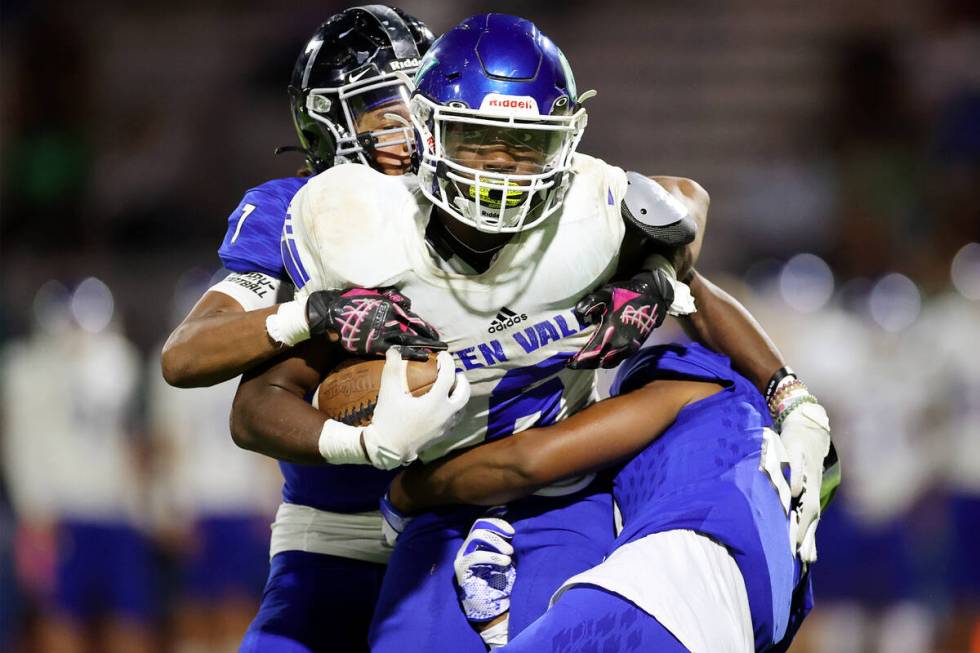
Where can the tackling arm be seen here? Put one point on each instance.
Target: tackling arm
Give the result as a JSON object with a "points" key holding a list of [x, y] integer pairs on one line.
{"points": [[724, 325], [601, 435], [269, 414], [217, 341], [721, 322]]}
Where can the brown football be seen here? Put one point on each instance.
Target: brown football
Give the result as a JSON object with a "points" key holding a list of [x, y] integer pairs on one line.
{"points": [[350, 391]]}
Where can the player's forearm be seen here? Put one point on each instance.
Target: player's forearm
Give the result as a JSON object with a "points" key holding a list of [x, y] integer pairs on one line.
{"points": [[601, 435], [485, 475], [724, 325], [276, 422], [207, 350]]}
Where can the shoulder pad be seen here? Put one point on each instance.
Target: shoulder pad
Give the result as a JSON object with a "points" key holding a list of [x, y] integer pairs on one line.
{"points": [[651, 209], [351, 224]]}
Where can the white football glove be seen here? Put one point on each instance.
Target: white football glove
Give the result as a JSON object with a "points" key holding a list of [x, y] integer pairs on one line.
{"points": [[402, 425], [485, 572], [805, 435]]}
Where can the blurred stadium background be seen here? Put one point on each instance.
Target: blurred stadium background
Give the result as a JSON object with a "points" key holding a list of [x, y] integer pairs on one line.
{"points": [[840, 142]]}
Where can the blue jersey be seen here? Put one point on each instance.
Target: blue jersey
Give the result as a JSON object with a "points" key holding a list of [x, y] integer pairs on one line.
{"points": [[713, 481], [251, 243], [335, 488]]}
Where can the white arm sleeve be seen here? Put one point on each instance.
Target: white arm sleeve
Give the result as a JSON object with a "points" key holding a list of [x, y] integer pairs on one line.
{"points": [[252, 290]]}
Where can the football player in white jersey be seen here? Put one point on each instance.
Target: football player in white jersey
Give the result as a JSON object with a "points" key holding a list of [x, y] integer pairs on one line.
{"points": [[505, 231]]}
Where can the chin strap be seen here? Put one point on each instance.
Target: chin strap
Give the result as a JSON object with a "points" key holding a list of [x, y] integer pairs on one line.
{"points": [[282, 149]]}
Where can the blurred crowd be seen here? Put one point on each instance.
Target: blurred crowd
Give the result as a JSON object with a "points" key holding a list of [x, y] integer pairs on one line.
{"points": [[134, 514], [840, 143]]}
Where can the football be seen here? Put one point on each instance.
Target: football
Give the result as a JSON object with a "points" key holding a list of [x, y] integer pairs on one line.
{"points": [[350, 391]]}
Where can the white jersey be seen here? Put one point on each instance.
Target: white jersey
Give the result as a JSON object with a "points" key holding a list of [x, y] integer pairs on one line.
{"points": [[202, 472], [68, 400], [511, 328]]}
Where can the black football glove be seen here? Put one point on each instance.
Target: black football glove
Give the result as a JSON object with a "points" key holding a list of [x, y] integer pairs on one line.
{"points": [[370, 321], [625, 313]]}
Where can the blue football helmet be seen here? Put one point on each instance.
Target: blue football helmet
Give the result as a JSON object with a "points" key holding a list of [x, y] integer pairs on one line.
{"points": [[497, 119]]}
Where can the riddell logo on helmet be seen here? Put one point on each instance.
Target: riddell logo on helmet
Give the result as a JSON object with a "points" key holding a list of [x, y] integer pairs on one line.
{"points": [[512, 103], [497, 103], [402, 64]]}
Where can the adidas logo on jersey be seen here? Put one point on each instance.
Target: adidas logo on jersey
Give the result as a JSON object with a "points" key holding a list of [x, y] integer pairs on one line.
{"points": [[505, 319]]}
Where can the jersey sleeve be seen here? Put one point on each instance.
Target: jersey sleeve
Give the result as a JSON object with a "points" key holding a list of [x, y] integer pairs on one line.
{"points": [[251, 243], [298, 250]]}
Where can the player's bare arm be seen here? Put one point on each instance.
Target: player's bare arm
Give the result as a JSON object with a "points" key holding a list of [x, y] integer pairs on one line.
{"points": [[203, 346], [720, 321], [217, 341], [724, 325], [696, 200], [600, 436], [270, 415]]}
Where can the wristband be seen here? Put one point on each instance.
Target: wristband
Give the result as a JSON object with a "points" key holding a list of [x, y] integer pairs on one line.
{"points": [[393, 517], [790, 388], [777, 378], [659, 262], [288, 325], [683, 303], [496, 635], [340, 444]]}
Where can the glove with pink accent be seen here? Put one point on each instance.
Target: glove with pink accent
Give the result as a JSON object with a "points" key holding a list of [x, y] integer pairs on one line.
{"points": [[371, 321], [625, 313]]}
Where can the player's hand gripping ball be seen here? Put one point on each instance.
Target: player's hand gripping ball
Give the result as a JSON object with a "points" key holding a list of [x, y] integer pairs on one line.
{"points": [[401, 407], [625, 313], [349, 393], [370, 321]]}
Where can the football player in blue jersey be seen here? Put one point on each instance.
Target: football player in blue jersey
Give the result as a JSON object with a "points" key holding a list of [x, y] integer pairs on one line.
{"points": [[269, 414], [345, 88], [705, 558], [346, 98]]}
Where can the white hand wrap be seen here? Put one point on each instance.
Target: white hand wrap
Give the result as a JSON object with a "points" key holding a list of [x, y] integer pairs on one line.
{"points": [[340, 444], [496, 635], [683, 303], [288, 324]]}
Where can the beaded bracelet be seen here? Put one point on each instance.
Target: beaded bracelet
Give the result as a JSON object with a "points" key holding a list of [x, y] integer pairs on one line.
{"points": [[786, 390], [807, 399]]}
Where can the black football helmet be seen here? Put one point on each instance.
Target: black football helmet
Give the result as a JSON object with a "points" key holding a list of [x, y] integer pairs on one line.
{"points": [[351, 67]]}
